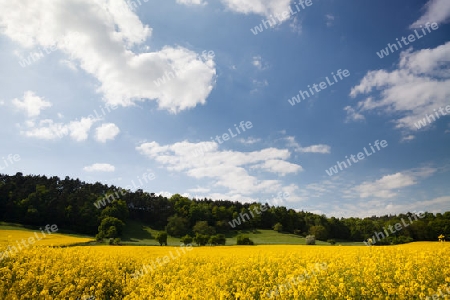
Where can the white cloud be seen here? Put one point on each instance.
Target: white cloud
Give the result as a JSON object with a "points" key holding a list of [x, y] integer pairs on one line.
{"points": [[320, 148], [79, 129], [106, 132], [330, 20], [417, 87], [296, 25], [352, 115], [199, 190], [49, 130], [258, 63], [383, 207], [99, 168], [100, 43], [31, 104], [228, 169], [388, 185], [435, 11], [249, 141], [324, 149], [280, 167], [407, 138], [259, 7], [192, 2], [69, 64]]}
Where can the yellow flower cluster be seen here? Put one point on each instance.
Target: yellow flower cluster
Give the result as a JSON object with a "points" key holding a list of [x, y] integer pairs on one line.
{"points": [[412, 271]]}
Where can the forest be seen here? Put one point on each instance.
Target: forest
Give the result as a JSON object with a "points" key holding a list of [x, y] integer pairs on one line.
{"points": [[72, 204]]}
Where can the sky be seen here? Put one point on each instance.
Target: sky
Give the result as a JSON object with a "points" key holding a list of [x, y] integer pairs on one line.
{"points": [[337, 108]]}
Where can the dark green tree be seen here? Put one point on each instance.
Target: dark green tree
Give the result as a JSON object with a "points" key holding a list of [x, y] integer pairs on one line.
{"points": [[161, 237], [187, 239], [110, 227], [177, 226], [202, 227]]}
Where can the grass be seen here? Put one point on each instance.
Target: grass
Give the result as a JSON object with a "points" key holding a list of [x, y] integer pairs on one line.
{"points": [[138, 234]]}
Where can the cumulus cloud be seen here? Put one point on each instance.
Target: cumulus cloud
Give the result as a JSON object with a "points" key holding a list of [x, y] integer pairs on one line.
{"points": [[435, 11], [227, 169], [99, 168], [106, 132], [320, 148], [31, 104], [192, 2], [417, 87], [259, 7], [100, 42], [249, 141], [352, 115], [49, 130], [388, 185]]}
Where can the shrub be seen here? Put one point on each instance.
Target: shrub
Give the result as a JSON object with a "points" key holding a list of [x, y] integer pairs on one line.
{"points": [[402, 240], [99, 237], [201, 239], [187, 239], [117, 241], [297, 232], [310, 240], [244, 240], [161, 237], [331, 241], [218, 239], [278, 227], [110, 227]]}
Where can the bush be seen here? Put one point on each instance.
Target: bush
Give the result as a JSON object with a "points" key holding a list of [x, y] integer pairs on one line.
{"points": [[319, 232], [244, 240], [402, 240], [218, 239], [110, 227], [99, 237], [161, 237], [278, 227], [201, 239], [117, 241], [331, 241], [310, 240], [187, 239], [297, 232]]}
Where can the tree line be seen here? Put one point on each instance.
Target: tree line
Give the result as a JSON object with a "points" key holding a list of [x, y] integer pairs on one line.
{"points": [[37, 199]]}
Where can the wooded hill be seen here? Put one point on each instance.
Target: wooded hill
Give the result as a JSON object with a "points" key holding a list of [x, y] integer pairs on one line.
{"points": [[73, 205]]}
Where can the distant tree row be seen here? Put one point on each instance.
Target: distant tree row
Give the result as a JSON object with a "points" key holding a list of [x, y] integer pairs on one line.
{"points": [[37, 200]]}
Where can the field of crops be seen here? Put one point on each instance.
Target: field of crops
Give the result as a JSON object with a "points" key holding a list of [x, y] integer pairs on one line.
{"points": [[413, 271], [12, 237]]}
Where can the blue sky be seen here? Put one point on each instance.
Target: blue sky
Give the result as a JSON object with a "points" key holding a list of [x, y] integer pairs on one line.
{"points": [[135, 94]]}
